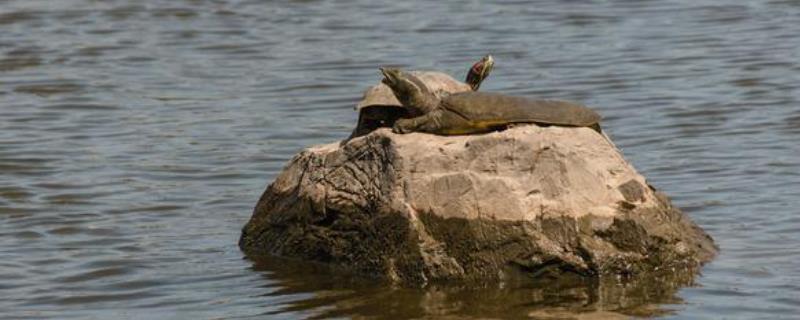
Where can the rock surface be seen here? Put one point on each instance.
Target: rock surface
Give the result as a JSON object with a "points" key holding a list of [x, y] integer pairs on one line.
{"points": [[530, 200]]}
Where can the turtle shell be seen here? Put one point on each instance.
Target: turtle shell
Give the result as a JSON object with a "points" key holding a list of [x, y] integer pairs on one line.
{"points": [[485, 109]]}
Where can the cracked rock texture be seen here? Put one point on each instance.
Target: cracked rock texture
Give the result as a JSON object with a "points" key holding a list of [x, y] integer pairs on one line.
{"points": [[530, 200]]}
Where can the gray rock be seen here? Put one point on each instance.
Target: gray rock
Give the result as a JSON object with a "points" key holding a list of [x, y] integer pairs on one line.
{"points": [[415, 208]]}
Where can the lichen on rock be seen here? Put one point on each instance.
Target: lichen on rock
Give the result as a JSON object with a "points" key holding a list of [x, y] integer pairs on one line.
{"points": [[416, 208]]}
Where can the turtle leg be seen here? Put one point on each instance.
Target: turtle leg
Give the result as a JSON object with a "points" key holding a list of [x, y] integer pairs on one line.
{"points": [[436, 122], [417, 124], [432, 122]]}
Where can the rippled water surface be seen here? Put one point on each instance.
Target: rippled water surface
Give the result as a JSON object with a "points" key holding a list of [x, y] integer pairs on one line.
{"points": [[136, 136]]}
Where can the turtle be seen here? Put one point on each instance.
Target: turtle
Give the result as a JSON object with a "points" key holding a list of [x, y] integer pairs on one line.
{"points": [[473, 112], [379, 106]]}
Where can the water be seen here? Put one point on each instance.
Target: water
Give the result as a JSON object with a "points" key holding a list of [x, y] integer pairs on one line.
{"points": [[136, 136]]}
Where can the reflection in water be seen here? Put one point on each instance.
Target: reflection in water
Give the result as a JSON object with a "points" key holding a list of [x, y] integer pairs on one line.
{"points": [[325, 292]]}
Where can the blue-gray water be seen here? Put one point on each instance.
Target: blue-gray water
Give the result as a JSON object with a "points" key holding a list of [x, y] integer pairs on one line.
{"points": [[136, 136]]}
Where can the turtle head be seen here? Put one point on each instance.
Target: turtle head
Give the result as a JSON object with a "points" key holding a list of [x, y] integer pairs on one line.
{"points": [[399, 82], [479, 71], [410, 91]]}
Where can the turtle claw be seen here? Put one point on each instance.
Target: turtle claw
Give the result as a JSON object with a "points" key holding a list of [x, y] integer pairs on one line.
{"points": [[400, 127], [397, 129]]}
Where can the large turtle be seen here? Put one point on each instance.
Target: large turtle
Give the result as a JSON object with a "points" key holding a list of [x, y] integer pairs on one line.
{"points": [[476, 112], [380, 107]]}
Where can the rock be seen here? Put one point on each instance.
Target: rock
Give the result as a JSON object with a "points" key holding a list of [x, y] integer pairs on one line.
{"points": [[536, 201]]}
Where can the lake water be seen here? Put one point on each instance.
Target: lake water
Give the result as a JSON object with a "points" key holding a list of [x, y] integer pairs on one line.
{"points": [[136, 137]]}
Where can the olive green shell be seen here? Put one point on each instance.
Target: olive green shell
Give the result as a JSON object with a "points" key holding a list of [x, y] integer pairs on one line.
{"points": [[486, 109]]}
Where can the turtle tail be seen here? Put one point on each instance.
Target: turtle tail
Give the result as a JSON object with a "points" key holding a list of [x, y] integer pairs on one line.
{"points": [[596, 127]]}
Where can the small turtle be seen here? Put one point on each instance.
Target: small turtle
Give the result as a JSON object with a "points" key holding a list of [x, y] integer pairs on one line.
{"points": [[477, 112], [380, 107]]}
